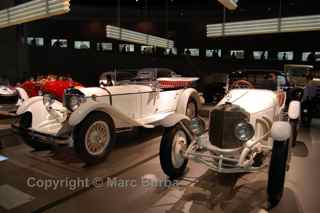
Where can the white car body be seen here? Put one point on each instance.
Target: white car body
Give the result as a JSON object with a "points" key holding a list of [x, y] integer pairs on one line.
{"points": [[263, 107], [11, 99], [131, 105]]}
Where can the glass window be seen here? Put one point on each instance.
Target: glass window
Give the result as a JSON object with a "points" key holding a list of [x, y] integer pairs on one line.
{"points": [[237, 54], [59, 43], [305, 56], [35, 41], [171, 51], [317, 56], [82, 44], [192, 51], [215, 53], [146, 49], [125, 48], [103, 46], [260, 55], [285, 56]]}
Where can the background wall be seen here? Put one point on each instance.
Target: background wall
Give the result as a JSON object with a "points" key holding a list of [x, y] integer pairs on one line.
{"points": [[186, 27]]}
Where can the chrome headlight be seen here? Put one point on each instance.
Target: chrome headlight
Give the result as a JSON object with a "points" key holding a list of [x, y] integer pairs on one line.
{"points": [[73, 98], [244, 131], [48, 100], [74, 102], [197, 126]]}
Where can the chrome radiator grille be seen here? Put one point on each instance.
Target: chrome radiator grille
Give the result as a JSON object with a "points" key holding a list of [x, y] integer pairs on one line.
{"points": [[222, 124]]}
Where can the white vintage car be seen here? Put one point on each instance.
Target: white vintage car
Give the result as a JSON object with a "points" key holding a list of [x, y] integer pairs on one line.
{"points": [[244, 127], [10, 99], [88, 118]]}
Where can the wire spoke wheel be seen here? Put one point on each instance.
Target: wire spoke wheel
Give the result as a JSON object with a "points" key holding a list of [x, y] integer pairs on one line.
{"points": [[179, 147], [97, 137]]}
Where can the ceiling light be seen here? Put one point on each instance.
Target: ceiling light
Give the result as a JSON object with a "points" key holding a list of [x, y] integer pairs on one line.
{"points": [[229, 4], [33, 10], [264, 26], [137, 37]]}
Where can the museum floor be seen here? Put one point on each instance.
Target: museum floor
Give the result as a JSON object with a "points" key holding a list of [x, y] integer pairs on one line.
{"points": [[135, 159]]}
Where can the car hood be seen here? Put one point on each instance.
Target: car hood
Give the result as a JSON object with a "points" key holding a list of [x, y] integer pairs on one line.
{"points": [[251, 100], [115, 90]]}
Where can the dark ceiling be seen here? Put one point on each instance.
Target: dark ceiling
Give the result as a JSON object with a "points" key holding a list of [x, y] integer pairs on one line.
{"points": [[247, 8]]}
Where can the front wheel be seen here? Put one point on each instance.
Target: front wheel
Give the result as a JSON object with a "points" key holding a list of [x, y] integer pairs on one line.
{"points": [[173, 145], [277, 171], [94, 137]]}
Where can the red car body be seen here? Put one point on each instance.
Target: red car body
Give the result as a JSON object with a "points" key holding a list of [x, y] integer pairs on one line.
{"points": [[31, 88], [53, 87], [57, 87]]}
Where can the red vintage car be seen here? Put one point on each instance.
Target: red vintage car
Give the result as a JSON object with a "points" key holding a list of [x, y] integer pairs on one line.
{"points": [[48, 85], [57, 87]]}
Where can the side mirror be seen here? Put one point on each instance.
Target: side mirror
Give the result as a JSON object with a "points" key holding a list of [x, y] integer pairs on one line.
{"points": [[198, 126]]}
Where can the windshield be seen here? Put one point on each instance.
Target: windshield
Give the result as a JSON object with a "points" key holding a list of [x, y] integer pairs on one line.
{"points": [[269, 81], [297, 72], [134, 76]]}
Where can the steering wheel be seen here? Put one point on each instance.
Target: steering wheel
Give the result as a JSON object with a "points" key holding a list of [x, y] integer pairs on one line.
{"points": [[242, 84]]}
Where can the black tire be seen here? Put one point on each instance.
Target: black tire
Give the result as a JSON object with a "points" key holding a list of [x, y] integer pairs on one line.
{"points": [[306, 117], [194, 102], [36, 145], [166, 160], [277, 172], [294, 127], [79, 137]]}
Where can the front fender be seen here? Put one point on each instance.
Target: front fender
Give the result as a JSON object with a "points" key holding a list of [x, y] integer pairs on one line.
{"points": [[294, 110], [173, 119], [86, 108], [22, 93], [184, 98], [25, 106]]}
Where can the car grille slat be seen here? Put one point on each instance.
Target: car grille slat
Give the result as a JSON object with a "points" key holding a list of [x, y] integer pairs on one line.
{"points": [[223, 120]]}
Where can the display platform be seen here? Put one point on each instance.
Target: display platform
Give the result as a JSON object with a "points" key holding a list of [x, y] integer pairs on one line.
{"points": [[200, 191], [23, 163]]}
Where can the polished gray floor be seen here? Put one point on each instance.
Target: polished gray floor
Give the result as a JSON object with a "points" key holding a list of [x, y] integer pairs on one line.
{"points": [[135, 159]]}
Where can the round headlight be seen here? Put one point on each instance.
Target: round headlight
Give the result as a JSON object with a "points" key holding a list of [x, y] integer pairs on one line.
{"points": [[48, 100], [73, 98], [244, 131], [74, 102], [197, 126]]}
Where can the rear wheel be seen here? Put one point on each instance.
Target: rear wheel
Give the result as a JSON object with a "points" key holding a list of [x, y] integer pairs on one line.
{"points": [[173, 145], [94, 137], [277, 171]]}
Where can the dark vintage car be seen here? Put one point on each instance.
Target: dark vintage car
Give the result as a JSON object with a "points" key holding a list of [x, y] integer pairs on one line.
{"points": [[310, 106]]}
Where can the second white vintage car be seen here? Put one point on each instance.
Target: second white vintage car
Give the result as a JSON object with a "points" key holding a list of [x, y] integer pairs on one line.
{"points": [[10, 99], [247, 125], [88, 118]]}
